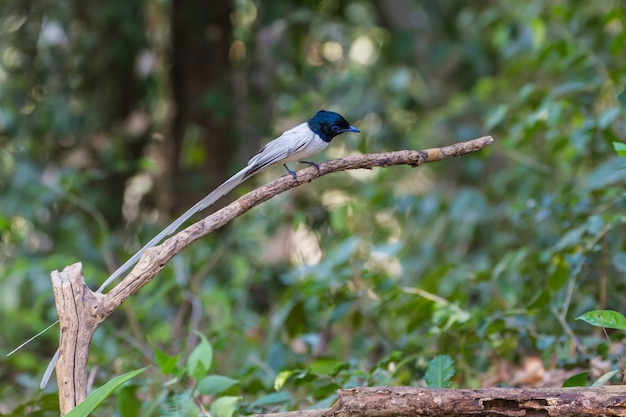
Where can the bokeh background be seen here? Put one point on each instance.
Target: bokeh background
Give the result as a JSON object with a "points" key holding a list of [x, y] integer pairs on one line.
{"points": [[116, 116]]}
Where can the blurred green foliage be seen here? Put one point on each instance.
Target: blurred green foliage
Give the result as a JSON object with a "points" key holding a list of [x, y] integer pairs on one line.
{"points": [[357, 278]]}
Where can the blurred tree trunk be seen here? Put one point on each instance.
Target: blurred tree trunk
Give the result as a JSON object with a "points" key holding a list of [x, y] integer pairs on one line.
{"points": [[111, 89], [201, 141]]}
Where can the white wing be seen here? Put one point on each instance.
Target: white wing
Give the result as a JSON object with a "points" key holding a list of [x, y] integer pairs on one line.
{"points": [[288, 146]]}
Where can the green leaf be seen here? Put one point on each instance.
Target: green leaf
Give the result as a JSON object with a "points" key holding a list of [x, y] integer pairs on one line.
{"points": [[540, 300], [611, 171], [214, 384], [620, 148], [605, 378], [92, 401], [127, 402], [274, 398], [282, 377], [604, 318], [439, 372], [607, 117], [294, 323], [200, 359], [559, 275], [572, 237], [496, 117], [619, 261], [538, 27], [305, 377], [167, 363], [594, 224], [224, 406], [327, 366], [578, 380]]}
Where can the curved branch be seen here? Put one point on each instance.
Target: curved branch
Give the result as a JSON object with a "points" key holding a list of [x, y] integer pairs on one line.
{"points": [[156, 258]]}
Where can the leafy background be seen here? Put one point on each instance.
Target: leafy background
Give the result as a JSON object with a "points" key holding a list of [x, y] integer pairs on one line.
{"points": [[115, 117]]}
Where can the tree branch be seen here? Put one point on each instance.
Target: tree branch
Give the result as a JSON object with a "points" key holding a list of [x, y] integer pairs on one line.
{"points": [[78, 309], [492, 402], [81, 310], [156, 258]]}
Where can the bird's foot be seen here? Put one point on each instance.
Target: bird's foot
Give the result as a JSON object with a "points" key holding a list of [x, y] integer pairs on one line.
{"points": [[313, 164], [293, 174]]}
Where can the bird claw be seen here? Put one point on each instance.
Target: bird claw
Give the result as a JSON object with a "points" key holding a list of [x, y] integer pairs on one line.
{"points": [[313, 164], [293, 174]]}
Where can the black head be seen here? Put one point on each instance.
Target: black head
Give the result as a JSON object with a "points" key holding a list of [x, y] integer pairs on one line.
{"points": [[328, 124]]}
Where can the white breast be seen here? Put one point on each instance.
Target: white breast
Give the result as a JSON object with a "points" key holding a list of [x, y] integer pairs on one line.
{"points": [[313, 146]]}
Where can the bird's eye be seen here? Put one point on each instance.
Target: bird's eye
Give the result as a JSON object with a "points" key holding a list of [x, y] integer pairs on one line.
{"points": [[335, 128]]}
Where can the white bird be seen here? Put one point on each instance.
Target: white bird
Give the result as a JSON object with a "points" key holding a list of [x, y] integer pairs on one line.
{"points": [[295, 144]]}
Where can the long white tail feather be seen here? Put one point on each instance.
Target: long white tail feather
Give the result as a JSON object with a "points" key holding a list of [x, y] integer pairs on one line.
{"points": [[46, 375], [215, 195], [293, 145]]}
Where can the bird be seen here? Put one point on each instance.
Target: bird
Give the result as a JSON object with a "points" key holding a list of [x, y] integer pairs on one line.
{"points": [[295, 144]]}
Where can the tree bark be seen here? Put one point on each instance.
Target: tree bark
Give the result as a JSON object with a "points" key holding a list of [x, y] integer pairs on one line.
{"points": [[493, 402], [79, 316]]}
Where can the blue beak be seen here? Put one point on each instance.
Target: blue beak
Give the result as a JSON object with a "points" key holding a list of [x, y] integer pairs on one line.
{"points": [[353, 129]]}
